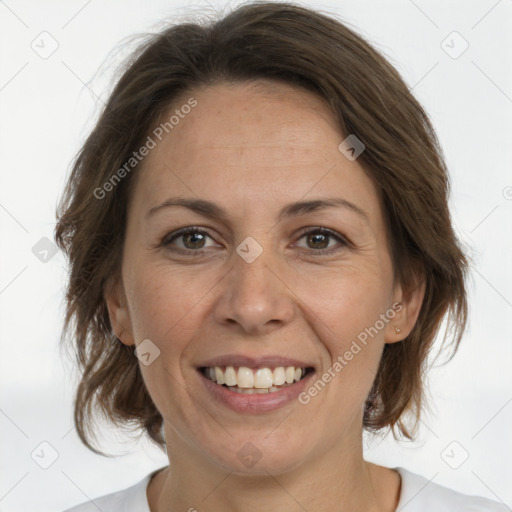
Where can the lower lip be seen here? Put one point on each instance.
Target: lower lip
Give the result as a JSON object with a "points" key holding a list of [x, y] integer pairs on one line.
{"points": [[255, 403]]}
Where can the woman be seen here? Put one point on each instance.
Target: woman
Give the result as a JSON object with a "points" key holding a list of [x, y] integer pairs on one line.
{"points": [[261, 256]]}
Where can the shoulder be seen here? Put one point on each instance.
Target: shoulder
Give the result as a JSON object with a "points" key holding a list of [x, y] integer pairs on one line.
{"points": [[132, 498], [418, 494]]}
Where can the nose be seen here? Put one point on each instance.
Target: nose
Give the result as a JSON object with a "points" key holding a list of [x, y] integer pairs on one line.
{"points": [[256, 295]]}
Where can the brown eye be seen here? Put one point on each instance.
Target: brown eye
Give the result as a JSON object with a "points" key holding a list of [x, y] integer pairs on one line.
{"points": [[318, 240], [193, 241]]}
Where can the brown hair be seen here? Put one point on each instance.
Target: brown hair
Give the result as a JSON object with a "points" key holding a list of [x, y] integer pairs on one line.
{"points": [[300, 47]]}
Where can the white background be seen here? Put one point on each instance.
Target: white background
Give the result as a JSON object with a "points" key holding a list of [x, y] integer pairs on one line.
{"points": [[47, 108]]}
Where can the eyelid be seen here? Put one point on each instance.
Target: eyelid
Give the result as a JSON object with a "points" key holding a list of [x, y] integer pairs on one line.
{"points": [[327, 231], [342, 240], [170, 237]]}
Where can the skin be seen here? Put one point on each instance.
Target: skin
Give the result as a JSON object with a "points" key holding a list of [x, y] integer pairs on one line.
{"points": [[253, 148]]}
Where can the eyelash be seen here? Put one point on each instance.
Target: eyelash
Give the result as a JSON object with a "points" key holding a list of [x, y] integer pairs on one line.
{"points": [[168, 239]]}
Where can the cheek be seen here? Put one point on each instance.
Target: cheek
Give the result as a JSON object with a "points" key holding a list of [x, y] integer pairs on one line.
{"points": [[165, 306], [347, 311], [347, 300], [164, 301], [168, 304]]}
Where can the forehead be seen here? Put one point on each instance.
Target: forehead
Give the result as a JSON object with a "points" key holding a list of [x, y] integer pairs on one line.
{"points": [[258, 144]]}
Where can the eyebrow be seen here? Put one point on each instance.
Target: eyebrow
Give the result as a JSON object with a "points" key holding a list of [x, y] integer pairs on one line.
{"points": [[214, 211]]}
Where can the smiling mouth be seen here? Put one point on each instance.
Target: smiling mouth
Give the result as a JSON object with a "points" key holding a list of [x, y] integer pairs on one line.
{"points": [[243, 379]]}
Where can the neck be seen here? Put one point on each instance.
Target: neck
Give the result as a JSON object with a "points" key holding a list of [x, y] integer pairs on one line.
{"points": [[339, 476]]}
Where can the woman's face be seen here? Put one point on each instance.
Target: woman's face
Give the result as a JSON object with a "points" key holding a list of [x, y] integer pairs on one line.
{"points": [[255, 284]]}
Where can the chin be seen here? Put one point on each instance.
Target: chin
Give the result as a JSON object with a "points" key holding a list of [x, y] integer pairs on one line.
{"points": [[258, 456]]}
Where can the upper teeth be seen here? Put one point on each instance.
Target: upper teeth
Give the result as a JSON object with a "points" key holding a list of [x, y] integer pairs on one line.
{"points": [[244, 377]]}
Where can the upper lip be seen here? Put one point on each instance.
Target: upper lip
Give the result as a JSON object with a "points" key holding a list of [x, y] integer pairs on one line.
{"points": [[255, 362]]}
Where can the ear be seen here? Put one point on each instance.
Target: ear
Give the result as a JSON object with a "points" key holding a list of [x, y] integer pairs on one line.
{"points": [[410, 299], [117, 306]]}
